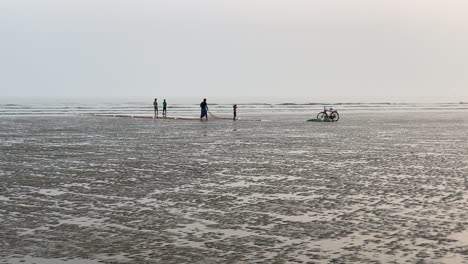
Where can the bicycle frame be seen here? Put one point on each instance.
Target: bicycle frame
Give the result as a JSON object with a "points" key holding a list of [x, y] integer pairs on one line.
{"points": [[329, 114]]}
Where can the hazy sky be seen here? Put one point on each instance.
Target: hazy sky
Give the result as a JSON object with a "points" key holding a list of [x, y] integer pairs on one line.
{"points": [[233, 48]]}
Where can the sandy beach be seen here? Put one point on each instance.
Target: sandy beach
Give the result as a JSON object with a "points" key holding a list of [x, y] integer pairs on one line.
{"points": [[386, 187]]}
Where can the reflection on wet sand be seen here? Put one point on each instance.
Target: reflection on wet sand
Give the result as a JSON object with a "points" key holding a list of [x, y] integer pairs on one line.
{"points": [[100, 190]]}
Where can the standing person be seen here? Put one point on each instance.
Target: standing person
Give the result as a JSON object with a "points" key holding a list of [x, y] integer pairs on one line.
{"points": [[204, 110], [234, 109], [155, 104], [164, 108]]}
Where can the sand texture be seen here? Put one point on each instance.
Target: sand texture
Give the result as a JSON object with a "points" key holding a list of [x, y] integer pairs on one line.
{"points": [[387, 187]]}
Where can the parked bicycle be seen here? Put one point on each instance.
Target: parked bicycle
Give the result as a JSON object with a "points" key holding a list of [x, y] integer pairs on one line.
{"points": [[328, 114]]}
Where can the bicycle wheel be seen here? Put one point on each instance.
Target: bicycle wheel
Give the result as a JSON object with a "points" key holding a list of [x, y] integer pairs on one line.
{"points": [[321, 116], [335, 116]]}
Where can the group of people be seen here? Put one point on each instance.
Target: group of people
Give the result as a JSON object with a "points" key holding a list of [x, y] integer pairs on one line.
{"points": [[204, 110], [156, 111], [203, 107]]}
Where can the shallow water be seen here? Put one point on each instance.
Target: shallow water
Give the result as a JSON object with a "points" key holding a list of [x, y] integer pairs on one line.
{"points": [[373, 187], [218, 106]]}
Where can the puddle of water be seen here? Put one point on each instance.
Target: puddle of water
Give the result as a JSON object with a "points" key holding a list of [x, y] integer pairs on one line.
{"points": [[462, 237], [34, 260], [82, 221], [83, 185], [51, 192], [455, 259]]}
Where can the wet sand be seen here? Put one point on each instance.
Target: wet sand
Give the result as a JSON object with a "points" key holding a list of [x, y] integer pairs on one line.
{"points": [[372, 188]]}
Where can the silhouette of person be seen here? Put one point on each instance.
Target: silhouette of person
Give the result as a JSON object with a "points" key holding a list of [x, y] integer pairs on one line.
{"points": [[234, 108], [204, 110], [164, 108], [155, 104]]}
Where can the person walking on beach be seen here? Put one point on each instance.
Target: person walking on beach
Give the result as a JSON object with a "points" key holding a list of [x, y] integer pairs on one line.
{"points": [[164, 108], [234, 109], [204, 110], [155, 104]]}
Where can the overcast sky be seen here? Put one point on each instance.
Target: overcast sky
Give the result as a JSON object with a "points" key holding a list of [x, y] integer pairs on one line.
{"points": [[233, 48]]}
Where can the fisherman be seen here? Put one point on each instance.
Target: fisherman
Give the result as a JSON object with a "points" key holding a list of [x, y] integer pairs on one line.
{"points": [[234, 108], [204, 110], [164, 108], [155, 104]]}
